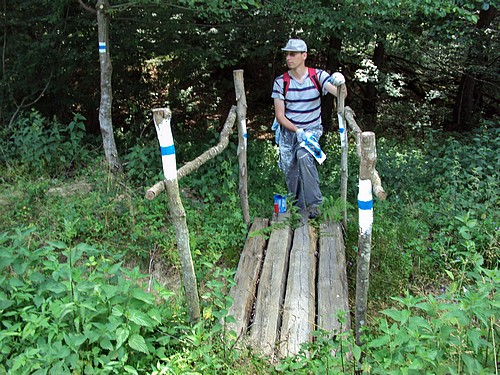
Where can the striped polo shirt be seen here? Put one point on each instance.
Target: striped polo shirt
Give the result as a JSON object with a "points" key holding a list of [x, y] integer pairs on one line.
{"points": [[303, 101]]}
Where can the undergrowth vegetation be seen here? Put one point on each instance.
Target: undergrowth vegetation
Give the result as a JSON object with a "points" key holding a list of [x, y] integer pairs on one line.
{"points": [[80, 290]]}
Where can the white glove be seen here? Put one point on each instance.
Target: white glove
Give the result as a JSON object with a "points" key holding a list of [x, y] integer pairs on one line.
{"points": [[301, 135], [337, 79]]}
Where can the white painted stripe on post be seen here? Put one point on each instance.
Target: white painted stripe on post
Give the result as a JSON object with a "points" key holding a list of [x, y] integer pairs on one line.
{"points": [[164, 132], [365, 205], [244, 129], [342, 131]]}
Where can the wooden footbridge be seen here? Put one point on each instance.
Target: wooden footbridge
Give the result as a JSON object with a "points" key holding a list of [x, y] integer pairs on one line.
{"points": [[289, 284], [293, 281]]}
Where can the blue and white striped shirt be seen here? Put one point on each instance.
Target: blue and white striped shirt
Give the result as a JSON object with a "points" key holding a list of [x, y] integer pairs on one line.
{"points": [[303, 101]]}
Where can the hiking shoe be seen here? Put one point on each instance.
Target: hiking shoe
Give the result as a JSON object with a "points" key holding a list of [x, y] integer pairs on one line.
{"points": [[313, 212]]}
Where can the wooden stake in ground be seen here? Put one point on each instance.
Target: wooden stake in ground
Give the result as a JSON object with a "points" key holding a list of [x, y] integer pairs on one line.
{"points": [[162, 118], [365, 206], [241, 102]]}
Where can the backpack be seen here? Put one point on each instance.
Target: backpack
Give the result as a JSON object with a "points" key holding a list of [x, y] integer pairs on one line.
{"points": [[312, 74]]}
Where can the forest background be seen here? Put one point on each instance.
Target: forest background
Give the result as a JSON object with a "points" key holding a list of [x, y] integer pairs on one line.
{"points": [[423, 75]]}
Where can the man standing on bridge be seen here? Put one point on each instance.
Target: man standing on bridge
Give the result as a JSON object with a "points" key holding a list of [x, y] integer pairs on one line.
{"points": [[297, 108]]}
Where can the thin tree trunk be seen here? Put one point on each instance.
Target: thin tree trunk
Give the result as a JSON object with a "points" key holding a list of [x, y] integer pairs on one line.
{"points": [[105, 119], [365, 204], [469, 92], [241, 101], [370, 98]]}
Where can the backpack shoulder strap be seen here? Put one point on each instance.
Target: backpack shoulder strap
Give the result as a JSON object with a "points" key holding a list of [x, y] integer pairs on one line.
{"points": [[286, 83], [312, 74], [314, 78]]}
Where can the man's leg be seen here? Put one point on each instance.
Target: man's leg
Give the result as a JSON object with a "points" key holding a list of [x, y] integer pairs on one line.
{"points": [[309, 180]]}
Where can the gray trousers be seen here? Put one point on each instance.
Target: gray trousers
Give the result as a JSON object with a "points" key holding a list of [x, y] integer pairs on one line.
{"points": [[299, 167]]}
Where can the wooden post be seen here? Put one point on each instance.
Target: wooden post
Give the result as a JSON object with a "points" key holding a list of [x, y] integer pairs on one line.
{"points": [[376, 182], [365, 206], [241, 109], [344, 151], [162, 118]]}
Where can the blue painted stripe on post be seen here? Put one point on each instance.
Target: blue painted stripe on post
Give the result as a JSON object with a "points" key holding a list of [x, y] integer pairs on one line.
{"points": [[102, 47], [365, 205], [169, 150], [341, 130], [245, 135]]}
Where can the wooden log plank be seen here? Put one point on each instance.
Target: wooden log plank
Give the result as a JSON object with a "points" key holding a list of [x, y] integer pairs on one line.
{"points": [[247, 273], [299, 307], [271, 290], [332, 279]]}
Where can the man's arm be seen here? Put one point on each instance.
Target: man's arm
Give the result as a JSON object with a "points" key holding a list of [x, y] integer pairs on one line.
{"points": [[279, 113], [331, 88]]}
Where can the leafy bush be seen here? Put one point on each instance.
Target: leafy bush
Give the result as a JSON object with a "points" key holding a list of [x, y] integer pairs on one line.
{"points": [[73, 309], [46, 146], [452, 333]]}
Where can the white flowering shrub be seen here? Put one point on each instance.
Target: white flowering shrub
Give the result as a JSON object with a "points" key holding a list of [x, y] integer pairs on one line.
{"points": [[394, 84], [368, 72], [434, 94]]}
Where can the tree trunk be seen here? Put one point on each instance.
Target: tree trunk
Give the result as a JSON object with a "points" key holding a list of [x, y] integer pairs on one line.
{"points": [[332, 65], [370, 98], [105, 119], [469, 94]]}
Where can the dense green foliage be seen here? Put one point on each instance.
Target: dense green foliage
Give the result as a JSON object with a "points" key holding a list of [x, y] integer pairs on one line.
{"points": [[76, 249], [182, 53]]}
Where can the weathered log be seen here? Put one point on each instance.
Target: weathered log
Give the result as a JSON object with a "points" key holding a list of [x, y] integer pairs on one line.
{"points": [[299, 308], [271, 292], [241, 104], [193, 165], [333, 293], [244, 291]]}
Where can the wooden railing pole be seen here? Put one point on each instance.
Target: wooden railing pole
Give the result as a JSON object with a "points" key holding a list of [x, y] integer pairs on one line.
{"points": [[241, 110], [162, 117], [344, 151], [365, 208]]}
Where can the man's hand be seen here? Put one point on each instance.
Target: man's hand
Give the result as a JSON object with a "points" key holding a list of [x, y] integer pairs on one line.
{"points": [[337, 79], [301, 135]]}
